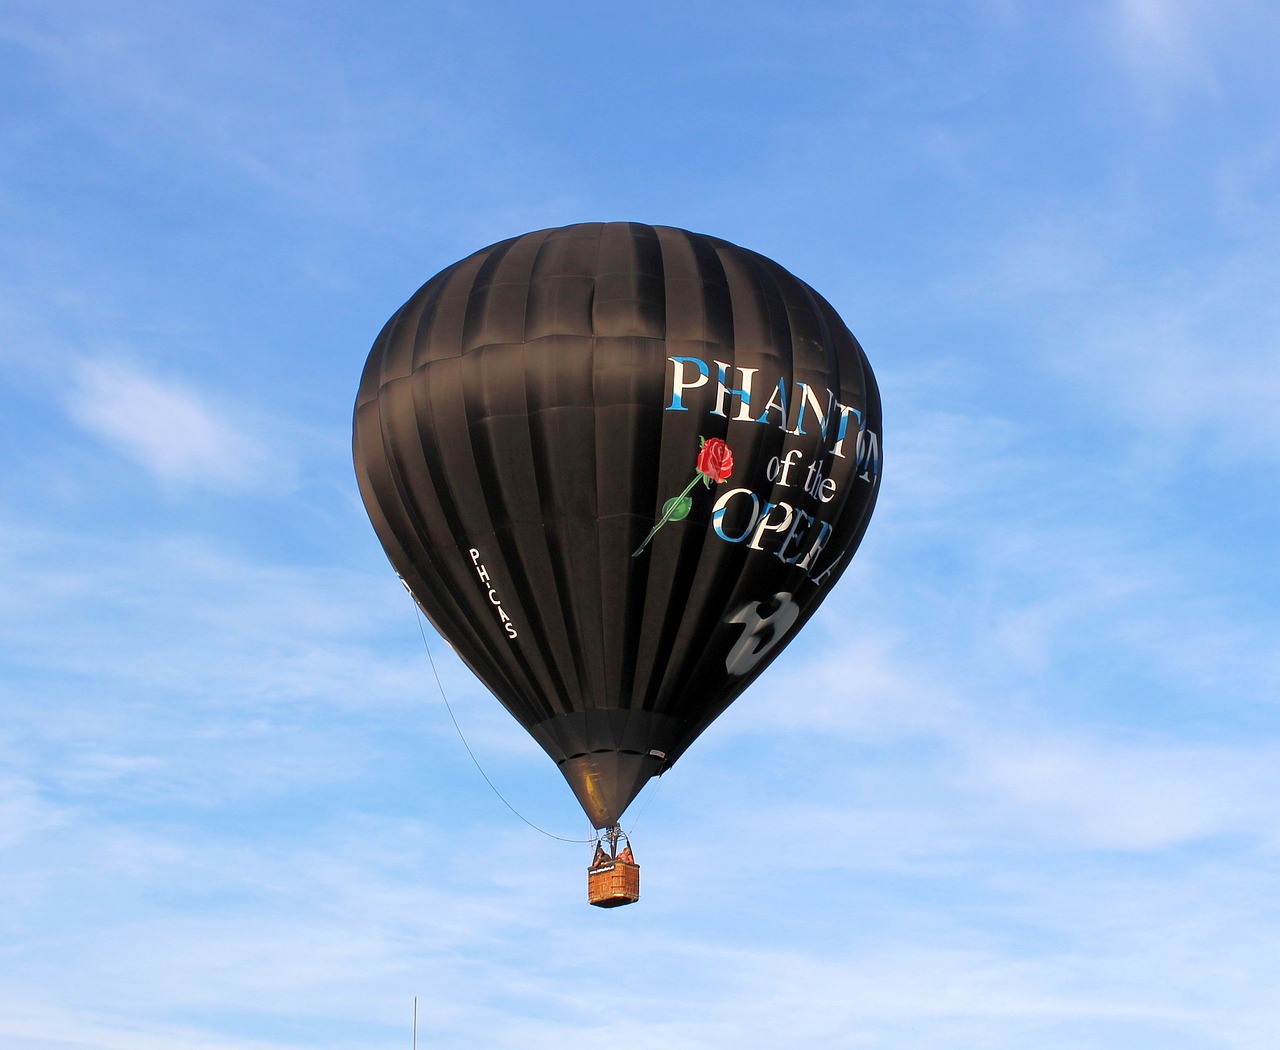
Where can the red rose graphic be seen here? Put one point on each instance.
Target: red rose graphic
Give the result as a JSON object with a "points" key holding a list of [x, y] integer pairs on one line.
{"points": [[715, 464], [715, 460]]}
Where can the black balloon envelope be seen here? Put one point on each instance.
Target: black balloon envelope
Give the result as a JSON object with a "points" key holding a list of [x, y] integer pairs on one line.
{"points": [[618, 466]]}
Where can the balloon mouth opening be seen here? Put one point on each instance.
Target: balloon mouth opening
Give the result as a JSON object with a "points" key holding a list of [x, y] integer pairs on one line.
{"points": [[607, 780]]}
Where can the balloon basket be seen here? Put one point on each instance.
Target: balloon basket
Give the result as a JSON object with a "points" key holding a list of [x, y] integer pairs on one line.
{"points": [[614, 877], [613, 884]]}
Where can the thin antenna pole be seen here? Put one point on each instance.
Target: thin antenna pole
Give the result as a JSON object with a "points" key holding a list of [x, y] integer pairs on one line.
{"points": [[415, 1023]]}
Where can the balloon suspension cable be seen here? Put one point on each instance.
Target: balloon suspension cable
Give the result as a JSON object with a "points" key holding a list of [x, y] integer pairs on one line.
{"points": [[461, 736], [656, 783]]}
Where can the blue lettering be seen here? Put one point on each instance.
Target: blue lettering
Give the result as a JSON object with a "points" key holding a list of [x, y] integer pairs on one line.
{"points": [[679, 382], [722, 506]]}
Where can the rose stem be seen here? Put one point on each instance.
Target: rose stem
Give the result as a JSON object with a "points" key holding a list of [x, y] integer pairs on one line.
{"points": [[666, 514]]}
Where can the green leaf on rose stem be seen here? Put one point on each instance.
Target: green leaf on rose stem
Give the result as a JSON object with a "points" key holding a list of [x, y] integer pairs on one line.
{"points": [[677, 508]]}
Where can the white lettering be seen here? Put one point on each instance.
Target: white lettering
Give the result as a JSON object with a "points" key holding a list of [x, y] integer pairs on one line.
{"points": [[491, 592], [763, 525], [724, 392]]}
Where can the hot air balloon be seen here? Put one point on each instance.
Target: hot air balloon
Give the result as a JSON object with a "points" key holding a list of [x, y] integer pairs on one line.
{"points": [[618, 466]]}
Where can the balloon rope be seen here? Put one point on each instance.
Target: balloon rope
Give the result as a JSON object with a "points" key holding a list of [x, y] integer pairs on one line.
{"points": [[448, 707], [648, 798]]}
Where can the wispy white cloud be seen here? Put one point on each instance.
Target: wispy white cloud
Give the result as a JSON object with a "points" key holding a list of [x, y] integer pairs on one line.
{"points": [[1184, 360], [24, 812], [167, 427], [323, 944], [130, 656], [253, 94], [1168, 44], [1105, 794]]}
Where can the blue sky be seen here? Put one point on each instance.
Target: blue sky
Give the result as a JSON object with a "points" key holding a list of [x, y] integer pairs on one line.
{"points": [[1016, 785]]}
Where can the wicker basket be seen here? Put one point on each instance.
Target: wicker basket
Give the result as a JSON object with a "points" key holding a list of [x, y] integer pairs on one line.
{"points": [[613, 884]]}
